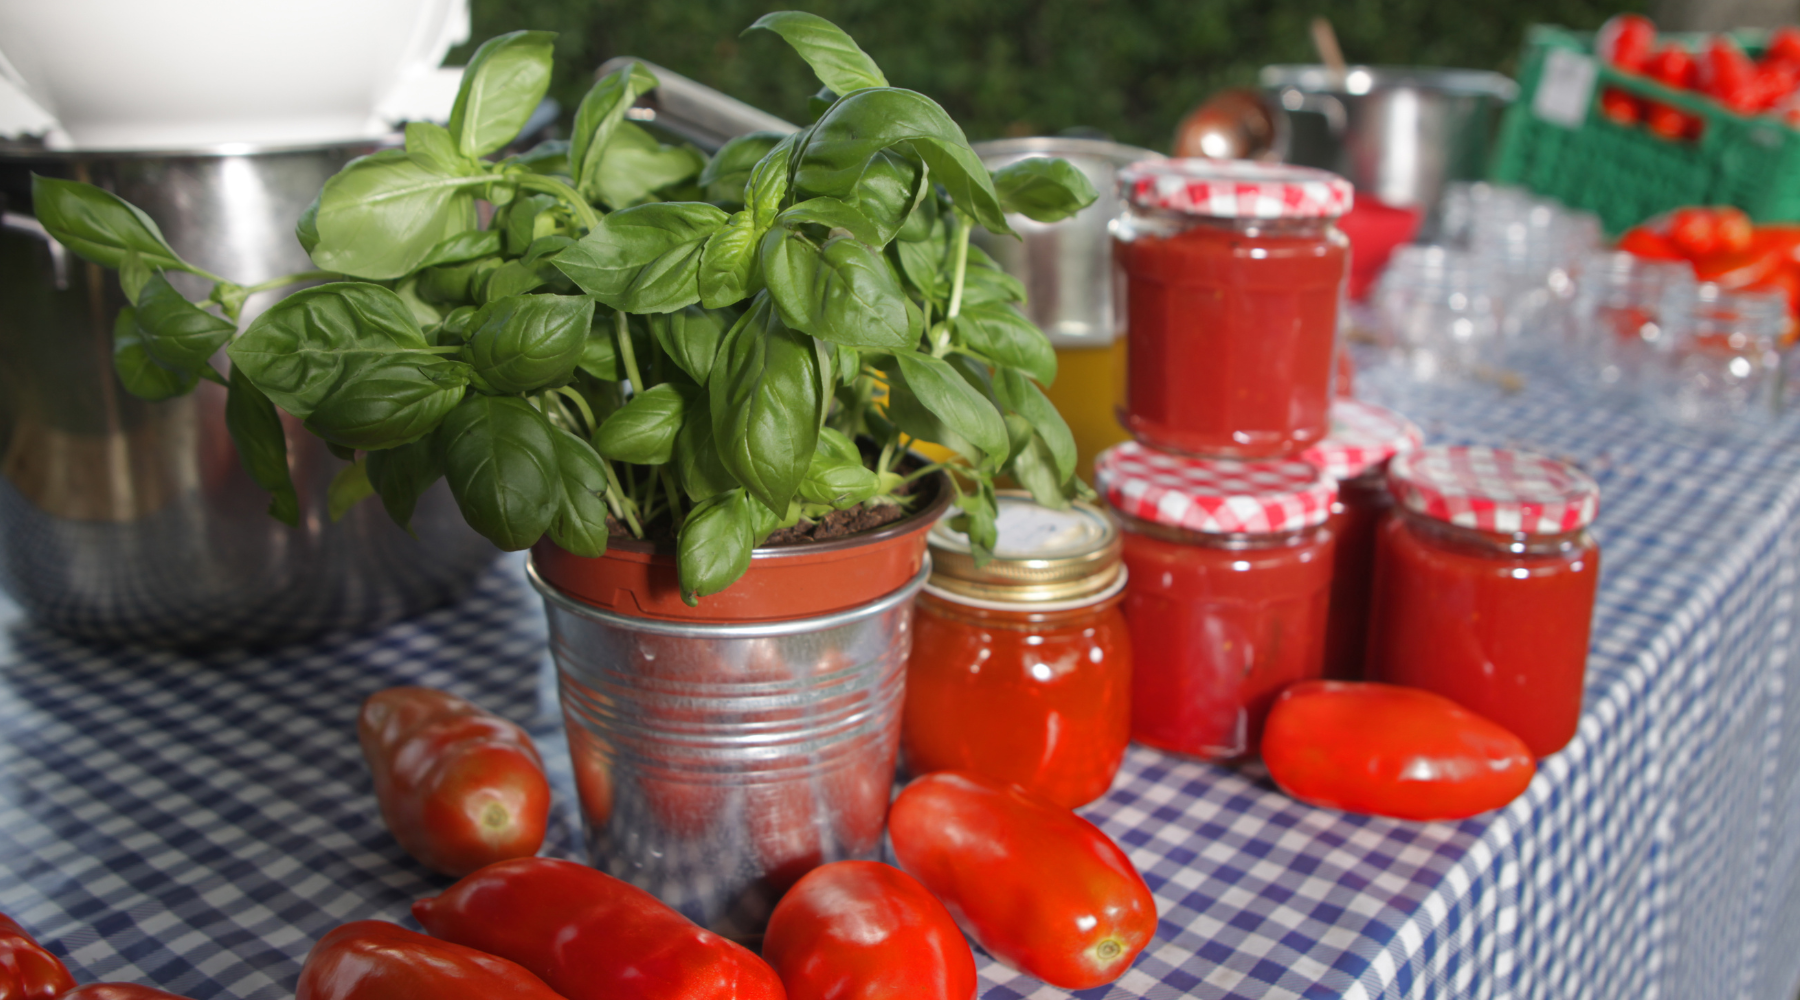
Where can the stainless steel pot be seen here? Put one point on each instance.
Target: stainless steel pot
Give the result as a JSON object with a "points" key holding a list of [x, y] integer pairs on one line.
{"points": [[1398, 132], [1066, 266], [128, 521], [716, 764]]}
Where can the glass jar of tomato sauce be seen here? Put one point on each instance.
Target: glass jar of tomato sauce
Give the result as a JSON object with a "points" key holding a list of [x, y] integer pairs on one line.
{"points": [[1230, 565], [1021, 667], [1231, 274], [1484, 586], [1363, 438]]}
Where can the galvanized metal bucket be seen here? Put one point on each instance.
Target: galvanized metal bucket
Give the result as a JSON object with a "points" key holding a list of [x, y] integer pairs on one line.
{"points": [[716, 764]]}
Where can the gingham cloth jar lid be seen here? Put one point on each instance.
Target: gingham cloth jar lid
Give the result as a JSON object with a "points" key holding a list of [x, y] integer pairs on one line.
{"points": [[1235, 189], [1363, 436], [1494, 489], [1214, 496]]}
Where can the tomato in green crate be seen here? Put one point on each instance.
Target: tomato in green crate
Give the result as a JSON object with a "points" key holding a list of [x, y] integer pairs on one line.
{"points": [[1040, 888], [1391, 751], [27, 969], [862, 930], [376, 960], [590, 936], [459, 787]]}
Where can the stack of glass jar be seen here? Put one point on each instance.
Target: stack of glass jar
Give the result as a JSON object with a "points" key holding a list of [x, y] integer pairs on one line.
{"points": [[1515, 280]]}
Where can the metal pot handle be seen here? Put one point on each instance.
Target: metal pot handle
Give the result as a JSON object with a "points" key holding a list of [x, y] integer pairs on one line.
{"points": [[694, 111], [19, 222], [1337, 118]]}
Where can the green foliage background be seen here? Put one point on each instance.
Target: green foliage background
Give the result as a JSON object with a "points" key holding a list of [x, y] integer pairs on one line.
{"points": [[1130, 68]]}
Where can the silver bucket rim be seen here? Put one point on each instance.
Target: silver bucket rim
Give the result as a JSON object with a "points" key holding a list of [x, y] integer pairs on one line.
{"points": [[727, 630], [1450, 81], [1120, 153], [15, 150]]}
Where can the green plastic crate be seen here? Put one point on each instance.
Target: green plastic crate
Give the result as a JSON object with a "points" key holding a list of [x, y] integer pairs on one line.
{"points": [[1553, 145]]}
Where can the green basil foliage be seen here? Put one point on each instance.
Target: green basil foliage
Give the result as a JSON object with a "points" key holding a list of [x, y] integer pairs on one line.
{"points": [[615, 333]]}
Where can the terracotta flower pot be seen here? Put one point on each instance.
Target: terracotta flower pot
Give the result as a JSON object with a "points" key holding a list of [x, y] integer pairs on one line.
{"points": [[638, 579]]}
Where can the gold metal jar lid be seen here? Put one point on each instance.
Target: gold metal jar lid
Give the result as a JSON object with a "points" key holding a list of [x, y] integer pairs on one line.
{"points": [[1043, 556]]}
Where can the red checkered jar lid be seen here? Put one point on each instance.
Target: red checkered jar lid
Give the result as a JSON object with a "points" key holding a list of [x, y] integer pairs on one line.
{"points": [[1214, 496], [1363, 437], [1494, 489], [1235, 189]]}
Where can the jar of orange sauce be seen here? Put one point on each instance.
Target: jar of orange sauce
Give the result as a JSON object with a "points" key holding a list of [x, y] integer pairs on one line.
{"points": [[1021, 666]]}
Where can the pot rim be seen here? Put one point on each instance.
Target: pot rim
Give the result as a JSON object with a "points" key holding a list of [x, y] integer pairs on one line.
{"points": [[727, 630], [1120, 153], [13, 149], [1453, 82], [766, 553]]}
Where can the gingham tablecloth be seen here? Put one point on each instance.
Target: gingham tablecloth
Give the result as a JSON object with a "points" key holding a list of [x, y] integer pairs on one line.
{"points": [[196, 823]]}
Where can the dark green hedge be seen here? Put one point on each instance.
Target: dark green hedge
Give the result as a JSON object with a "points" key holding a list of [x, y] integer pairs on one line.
{"points": [[1017, 67]]}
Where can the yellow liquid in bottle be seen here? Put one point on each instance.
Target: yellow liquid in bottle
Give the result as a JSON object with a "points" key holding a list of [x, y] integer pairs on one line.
{"points": [[1088, 387]]}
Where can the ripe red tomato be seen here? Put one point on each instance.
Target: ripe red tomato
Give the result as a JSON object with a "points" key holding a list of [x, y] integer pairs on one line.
{"points": [[1673, 66], [1732, 230], [27, 969], [1784, 46], [1392, 751], [1727, 74], [1039, 887], [1649, 243], [1693, 231], [1625, 41], [1620, 107], [459, 787], [376, 960], [590, 936], [862, 930]]}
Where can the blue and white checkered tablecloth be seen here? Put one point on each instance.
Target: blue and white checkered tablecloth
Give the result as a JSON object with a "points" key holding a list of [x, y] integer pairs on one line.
{"points": [[195, 823]]}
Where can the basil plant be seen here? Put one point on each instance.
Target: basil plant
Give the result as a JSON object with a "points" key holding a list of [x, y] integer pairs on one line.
{"points": [[611, 328]]}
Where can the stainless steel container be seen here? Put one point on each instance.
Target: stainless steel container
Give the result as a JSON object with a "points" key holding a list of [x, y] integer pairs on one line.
{"points": [[716, 764], [1398, 132], [128, 521], [1066, 266]]}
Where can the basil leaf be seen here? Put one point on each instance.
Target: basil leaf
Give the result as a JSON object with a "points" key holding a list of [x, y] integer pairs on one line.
{"points": [[644, 259], [306, 229], [500, 459], [713, 549], [844, 292], [1017, 393], [1035, 469], [452, 284], [423, 313], [600, 354], [768, 184], [634, 165], [690, 337], [142, 375], [699, 468], [548, 157], [961, 406], [886, 193], [544, 249], [519, 220], [765, 405], [642, 432], [348, 488], [432, 145], [832, 214], [133, 275], [979, 520], [836, 475], [98, 225], [501, 87], [728, 262], [922, 263], [580, 522], [728, 172], [520, 343], [382, 214], [1003, 336], [255, 429], [835, 58], [389, 400], [1043, 189], [402, 474], [840, 145], [922, 223], [299, 348], [598, 117], [175, 331], [983, 281], [509, 280]]}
